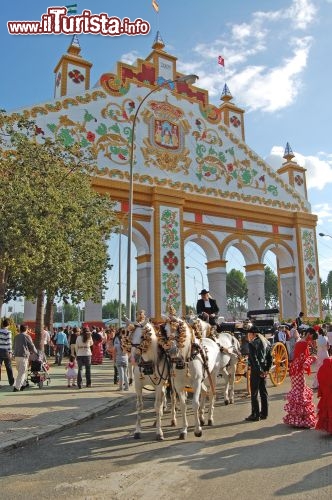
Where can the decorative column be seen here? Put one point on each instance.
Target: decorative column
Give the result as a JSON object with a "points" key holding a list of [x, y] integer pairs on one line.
{"points": [[216, 271], [144, 288], [168, 253], [29, 314], [256, 290], [308, 265], [289, 308]]}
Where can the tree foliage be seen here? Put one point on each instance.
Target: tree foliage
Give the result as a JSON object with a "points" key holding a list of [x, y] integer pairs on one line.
{"points": [[271, 288], [53, 225]]}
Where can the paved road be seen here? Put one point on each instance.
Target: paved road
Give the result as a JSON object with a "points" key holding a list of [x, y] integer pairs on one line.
{"points": [[99, 459]]}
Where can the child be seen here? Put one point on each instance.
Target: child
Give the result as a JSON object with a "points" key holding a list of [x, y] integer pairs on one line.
{"points": [[121, 360], [71, 371]]}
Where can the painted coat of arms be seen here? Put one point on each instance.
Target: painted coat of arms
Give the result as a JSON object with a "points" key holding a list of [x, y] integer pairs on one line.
{"points": [[164, 147]]}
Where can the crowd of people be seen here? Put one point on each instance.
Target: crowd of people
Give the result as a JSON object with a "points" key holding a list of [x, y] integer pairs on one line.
{"points": [[85, 347], [305, 347], [80, 347]]}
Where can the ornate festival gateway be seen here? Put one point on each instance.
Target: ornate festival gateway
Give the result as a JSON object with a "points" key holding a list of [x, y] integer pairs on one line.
{"points": [[194, 172]]}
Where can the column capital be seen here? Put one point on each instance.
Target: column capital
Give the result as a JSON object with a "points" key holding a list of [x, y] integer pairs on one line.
{"points": [[216, 263], [143, 259], [287, 270], [254, 267]]}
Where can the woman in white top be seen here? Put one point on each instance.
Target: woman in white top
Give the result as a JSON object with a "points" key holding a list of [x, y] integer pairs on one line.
{"points": [[322, 353], [294, 337], [83, 354]]}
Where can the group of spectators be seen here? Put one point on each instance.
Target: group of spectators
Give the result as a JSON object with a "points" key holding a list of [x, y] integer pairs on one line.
{"points": [[305, 346], [82, 346]]}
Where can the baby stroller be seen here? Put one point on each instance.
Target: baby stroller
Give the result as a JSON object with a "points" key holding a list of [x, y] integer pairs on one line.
{"points": [[38, 370]]}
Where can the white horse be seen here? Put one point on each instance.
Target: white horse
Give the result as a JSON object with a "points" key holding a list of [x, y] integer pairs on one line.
{"points": [[195, 364], [229, 348], [231, 353], [148, 369]]}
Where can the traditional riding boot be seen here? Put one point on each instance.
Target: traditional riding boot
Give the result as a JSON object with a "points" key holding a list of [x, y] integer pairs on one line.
{"points": [[252, 418]]}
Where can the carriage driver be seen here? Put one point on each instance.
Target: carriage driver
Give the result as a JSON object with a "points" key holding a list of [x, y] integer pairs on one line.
{"points": [[207, 307]]}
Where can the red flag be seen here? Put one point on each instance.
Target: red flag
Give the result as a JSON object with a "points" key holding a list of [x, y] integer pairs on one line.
{"points": [[155, 5], [221, 61]]}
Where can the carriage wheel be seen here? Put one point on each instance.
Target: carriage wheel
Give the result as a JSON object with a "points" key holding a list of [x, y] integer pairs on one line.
{"points": [[241, 370], [279, 367]]}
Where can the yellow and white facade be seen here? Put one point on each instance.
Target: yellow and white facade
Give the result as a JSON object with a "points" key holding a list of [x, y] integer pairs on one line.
{"points": [[193, 167]]}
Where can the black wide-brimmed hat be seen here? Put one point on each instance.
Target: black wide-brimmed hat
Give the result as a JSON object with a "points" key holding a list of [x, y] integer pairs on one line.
{"points": [[203, 292]]}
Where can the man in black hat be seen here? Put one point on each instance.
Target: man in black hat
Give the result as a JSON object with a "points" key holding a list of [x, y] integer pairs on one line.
{"points": [[260, 362], [207, 307]]}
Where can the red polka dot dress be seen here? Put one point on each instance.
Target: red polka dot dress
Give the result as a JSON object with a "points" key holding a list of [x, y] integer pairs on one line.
{"points": [[300, 409]]}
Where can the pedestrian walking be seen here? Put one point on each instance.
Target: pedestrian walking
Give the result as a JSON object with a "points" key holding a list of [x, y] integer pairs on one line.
{"points": [[71, 371], [23, 348], [6, 350], [121, 360], [322, 353], [83, 356], [260, 361], [294, 337], [300, 410], [61, 342], [324, 407]]}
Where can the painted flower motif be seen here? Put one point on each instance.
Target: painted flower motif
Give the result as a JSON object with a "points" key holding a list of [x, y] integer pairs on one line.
{"points": [[170, 260], [299, 180], [235, 121], [39, 131], [76, 76], [230, 167], [90, 136], [310, 271]]}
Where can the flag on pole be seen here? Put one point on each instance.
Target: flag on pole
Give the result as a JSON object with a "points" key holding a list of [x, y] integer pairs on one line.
{"points": [[155, 5], [71, 9], [221, 61]]}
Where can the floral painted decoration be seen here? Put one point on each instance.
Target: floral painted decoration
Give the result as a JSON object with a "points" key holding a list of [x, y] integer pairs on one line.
{"points": [[170, 260], [76, 76]]}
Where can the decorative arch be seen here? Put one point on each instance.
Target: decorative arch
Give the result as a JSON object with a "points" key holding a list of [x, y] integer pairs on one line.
{"points": [[246, 245], [281, 249], [207, 241]]}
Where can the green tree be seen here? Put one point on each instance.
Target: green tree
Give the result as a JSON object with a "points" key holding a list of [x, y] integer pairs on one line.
{"points": [[55, 226], [236, 290], [111, 309], [271, 288]]}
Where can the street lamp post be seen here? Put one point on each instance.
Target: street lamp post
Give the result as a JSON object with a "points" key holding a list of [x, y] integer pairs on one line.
{"points": [[191, 79], [197, 269]]}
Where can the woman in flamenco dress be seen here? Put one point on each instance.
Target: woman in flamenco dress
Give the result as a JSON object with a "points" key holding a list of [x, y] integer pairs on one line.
{"points": [[300, 409], [324, 377]]}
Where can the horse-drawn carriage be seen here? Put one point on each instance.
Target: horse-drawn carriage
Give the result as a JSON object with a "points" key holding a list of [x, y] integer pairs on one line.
{"points": [[265, 320]]}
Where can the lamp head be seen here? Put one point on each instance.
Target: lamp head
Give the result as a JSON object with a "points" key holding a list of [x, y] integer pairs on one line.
{"points": [[191, 79], [321, 234]]}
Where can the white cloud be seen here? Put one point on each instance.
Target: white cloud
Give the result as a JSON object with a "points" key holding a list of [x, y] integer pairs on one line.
{"points": [[264, 86], [318, 168]]}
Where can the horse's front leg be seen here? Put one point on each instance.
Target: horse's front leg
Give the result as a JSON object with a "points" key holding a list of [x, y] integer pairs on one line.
{"points": [[212, 398], [201, 410], [159, 401], [139, 410], [225, 376], [173, 408], [197, 388], [232, 373], [183, 407]]}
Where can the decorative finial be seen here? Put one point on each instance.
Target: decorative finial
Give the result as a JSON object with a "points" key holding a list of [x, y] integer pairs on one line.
{"points": [[74, 47], [158, 43], [288, 154], [226, 94]]}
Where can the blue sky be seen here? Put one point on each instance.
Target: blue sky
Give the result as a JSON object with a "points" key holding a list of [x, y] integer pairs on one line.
{"points": [[277, 57]]}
